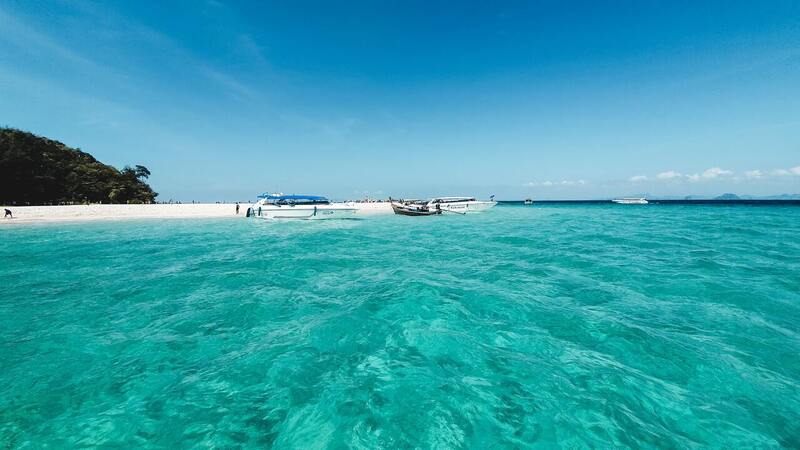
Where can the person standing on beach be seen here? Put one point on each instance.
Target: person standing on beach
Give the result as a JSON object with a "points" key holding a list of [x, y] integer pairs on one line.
{"points": [[237, 208], [8, 214]]}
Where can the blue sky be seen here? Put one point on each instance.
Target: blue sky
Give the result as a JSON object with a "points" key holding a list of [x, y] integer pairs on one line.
{"points": [[550, 99]]}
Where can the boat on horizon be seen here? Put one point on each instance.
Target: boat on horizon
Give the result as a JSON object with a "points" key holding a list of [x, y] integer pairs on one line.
{"points": [[306, 207], [630, 201]]}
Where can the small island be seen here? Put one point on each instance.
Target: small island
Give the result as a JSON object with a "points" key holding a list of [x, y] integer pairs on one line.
{"points": [[728, 196], [40, 171]]}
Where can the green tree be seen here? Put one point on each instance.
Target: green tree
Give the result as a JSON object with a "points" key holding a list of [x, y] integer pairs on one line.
{"points": [[141, 172], [35, 170]]}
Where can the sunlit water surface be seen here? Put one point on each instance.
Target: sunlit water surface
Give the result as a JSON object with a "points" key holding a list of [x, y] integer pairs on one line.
{"points": [[571, 326]]}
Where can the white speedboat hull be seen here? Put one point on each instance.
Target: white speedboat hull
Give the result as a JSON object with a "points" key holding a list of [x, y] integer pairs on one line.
{"points": [[630, 201], [465, 207], [304, 212]]}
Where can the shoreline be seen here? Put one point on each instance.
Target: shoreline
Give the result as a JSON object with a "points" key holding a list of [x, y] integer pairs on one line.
{"points": [[82, 213]]}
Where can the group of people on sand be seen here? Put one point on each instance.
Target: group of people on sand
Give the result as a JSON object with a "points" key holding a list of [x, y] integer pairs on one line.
{"points": [[8, 214]]}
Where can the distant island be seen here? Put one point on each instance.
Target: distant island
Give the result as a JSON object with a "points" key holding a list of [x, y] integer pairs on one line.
{"points": [[728, 196], [35, 170]]}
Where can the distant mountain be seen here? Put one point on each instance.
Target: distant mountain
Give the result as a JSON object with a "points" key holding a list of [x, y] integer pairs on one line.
{"points": [[35, 170], [728, 196], [678, 197], [773, 197]]}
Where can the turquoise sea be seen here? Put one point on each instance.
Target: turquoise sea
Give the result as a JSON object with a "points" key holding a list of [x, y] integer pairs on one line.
{"points": [[572, 326]]}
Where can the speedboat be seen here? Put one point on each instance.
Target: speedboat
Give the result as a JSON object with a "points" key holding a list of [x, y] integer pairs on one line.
{"points": [[461, 205], [631, 201], [311, 207], [528, 201]]}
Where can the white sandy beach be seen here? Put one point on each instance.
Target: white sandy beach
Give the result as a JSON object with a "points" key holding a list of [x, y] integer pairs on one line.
{"points": [[72, 213]]}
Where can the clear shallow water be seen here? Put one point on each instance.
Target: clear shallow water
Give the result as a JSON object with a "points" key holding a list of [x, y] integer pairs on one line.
{"points": [[572, 326]]}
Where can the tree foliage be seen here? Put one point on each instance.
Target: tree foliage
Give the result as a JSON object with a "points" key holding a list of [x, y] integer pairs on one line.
{"points": [[38, 171]]}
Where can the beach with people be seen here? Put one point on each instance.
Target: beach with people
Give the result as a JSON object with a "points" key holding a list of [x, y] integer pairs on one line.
{"points": [[72, 213]]}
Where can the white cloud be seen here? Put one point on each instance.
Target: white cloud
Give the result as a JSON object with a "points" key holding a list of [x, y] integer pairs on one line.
{"points": [[556, 183], [536, 183], [786, 172], [26, 37], [709, 174], [715, 172], [234, 87], [250, 50], [336, 127], [668, 175]]}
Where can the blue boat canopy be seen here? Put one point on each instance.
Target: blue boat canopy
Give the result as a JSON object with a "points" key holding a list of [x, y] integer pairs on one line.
{"points": [[296, 198]]}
